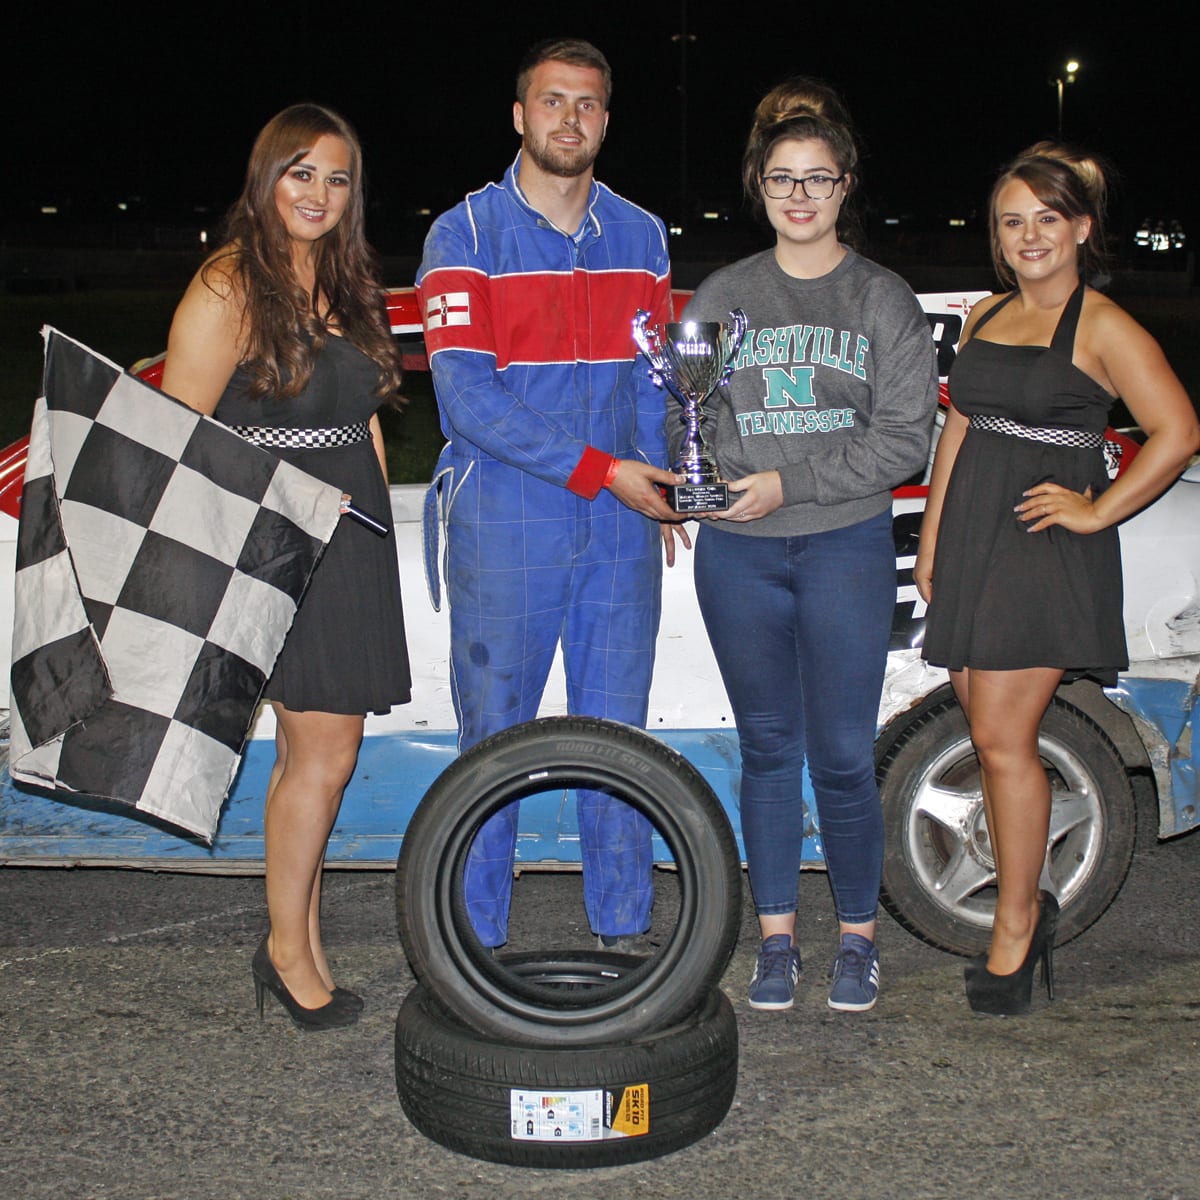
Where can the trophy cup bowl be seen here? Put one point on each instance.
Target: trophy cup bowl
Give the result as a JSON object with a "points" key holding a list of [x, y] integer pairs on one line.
{"points": [[691, 359]]}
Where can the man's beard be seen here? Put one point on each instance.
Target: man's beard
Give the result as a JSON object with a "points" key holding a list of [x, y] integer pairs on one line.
{"points": [[555, 160]]}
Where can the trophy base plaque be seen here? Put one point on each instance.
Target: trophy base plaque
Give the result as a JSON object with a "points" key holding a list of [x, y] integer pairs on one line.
{"points": [[687, 498]]}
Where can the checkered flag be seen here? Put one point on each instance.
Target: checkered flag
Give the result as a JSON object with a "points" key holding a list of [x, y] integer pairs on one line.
{"points": [[160, 561]]}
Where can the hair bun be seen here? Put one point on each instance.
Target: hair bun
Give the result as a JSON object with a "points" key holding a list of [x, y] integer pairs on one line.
{"points": [[801, 96], [1086, 167]]}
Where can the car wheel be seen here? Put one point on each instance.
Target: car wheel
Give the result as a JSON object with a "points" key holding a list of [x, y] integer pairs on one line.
{"points": [[561, 753], [939, 871], [565, 1107]]}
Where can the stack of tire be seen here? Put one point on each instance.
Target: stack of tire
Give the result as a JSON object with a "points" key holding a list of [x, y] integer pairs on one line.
{"points": [[567, 1058]]}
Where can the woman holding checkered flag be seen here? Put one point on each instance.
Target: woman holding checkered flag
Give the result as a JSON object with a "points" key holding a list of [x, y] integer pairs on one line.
{"points": [[282, 336]]}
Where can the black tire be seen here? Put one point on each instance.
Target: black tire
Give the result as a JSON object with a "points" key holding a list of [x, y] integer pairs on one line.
{"points": [[938, 872], [456, 1087], [568, 752]]}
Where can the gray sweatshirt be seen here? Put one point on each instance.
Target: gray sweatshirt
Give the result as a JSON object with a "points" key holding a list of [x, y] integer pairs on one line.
{"points": [[835, 387]]}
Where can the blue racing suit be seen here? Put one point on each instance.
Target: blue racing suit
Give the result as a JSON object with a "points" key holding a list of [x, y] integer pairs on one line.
{"points": [[528, 331]]}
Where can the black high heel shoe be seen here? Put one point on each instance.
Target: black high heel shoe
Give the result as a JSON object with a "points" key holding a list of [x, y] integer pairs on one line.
{"points": [[333, 1015], [1010, 995], [348, 999]]}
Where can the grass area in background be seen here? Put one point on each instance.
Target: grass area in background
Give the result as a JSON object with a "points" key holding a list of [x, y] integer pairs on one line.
{"points": [[127, 325]]}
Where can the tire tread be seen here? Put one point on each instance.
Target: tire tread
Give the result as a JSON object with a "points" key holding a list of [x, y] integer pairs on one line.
{"points": [[454, 1085]]}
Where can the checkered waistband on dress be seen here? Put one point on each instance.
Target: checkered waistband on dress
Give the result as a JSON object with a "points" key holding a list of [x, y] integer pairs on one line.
{"points": [[272, 437], [1082, 438]]}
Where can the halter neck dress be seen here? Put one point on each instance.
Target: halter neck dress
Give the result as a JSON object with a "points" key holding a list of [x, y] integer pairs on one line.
{"points": [[346, 650], [1004, 598]]}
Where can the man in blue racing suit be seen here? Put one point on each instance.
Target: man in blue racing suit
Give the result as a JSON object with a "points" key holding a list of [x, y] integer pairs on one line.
{"points": [[556, 445]]}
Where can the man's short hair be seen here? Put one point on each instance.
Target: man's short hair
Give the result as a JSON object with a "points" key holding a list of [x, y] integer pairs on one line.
{"points": [[574, 52]]}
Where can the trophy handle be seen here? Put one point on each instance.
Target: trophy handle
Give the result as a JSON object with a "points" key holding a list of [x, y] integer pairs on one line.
{"points": [[737, 335], [649, 342]]}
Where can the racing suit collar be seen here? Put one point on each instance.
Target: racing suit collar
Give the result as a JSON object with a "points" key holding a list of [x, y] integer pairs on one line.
{"points": [[591, 222]]}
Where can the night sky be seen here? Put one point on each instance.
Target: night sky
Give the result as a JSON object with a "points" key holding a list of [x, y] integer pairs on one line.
{"points": [[163, 102]]}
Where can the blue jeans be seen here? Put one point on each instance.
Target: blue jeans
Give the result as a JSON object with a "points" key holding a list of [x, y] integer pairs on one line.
{"points": [[800, 629]]}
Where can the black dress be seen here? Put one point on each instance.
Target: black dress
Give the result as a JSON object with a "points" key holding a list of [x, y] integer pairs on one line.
{"points": [[346, 650], [1004, 598]]}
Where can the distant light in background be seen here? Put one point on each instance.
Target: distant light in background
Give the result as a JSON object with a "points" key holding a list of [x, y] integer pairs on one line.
{"points": [[49, 209], [204, 237], [1058, 83], [675, 230], [956, 222], [1160, 236]]}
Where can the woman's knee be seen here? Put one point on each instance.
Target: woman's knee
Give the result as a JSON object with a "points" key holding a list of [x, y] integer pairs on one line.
{"points": [[852, 783], [770, 740], [322, 748], [332, 763], [1001, 748]]}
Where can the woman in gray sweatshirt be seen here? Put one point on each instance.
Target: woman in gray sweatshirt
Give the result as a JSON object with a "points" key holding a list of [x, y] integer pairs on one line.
{"points": [[829, 407]]}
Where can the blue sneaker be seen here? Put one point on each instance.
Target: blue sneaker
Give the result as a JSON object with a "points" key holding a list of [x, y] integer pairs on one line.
{"points": [[773, 984], [855, 975]]}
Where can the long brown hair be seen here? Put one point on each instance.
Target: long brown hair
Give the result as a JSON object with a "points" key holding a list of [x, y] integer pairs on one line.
{"points": [[283, 330], [1071, 183]]}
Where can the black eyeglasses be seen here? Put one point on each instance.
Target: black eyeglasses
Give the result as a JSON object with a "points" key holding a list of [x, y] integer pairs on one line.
{"points": [[780, 186]]}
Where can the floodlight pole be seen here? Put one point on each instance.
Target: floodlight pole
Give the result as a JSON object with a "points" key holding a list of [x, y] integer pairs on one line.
{"points": [[1065, 76]]}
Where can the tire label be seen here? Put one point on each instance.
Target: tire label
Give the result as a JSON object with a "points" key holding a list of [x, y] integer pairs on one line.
{"points": [[585, 1116], [630, 1115]]}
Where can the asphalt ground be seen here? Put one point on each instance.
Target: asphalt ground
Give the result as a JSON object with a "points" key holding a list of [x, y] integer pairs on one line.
{"points": [[133, 1063]]}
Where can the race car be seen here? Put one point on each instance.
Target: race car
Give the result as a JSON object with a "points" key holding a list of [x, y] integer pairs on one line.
{"points": [[1111, 754]]}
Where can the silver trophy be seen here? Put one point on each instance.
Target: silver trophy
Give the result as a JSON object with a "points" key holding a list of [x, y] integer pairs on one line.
{"points": [[691, 359]]}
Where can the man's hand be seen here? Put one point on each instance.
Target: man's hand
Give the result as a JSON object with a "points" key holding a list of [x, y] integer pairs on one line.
{"points": [[670, 531], [634, 484]]}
